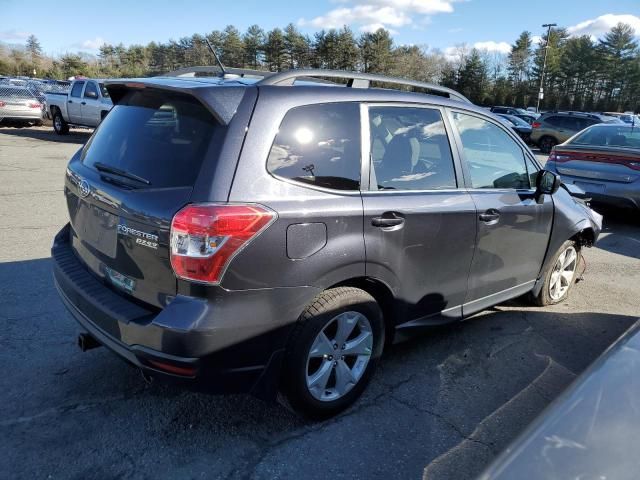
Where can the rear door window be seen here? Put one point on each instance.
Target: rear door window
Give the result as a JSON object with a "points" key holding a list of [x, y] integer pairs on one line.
{"points": [[554, 121], [76, 91], [319, 145], [91, 91], [410, 149], [158, 136]]}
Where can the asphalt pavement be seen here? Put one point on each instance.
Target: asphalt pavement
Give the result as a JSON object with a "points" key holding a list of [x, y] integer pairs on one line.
{"points": [[440, 406]]}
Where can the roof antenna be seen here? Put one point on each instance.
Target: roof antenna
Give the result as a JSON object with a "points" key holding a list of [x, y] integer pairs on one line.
{"points": [[215, 55]]}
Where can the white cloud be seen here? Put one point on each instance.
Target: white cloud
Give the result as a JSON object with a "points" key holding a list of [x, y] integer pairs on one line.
{"points": [[597, 27], [374, 27], [536, 39], [491, 46], [13, 35], [91, 44], [369, 15]]}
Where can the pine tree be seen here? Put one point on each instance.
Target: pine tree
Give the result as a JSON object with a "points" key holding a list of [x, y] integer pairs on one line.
{"points": [[473, 78], [376, 50], [274, 50], [233, 53], [34, 50], [254, 40], [618, 49]]}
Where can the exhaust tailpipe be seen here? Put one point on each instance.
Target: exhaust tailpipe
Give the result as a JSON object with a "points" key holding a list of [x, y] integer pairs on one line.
{"points": [[87, 342]]}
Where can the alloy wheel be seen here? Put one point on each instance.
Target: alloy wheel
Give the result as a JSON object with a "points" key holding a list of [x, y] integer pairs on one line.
{"points": [[563, 273], [339, 356]]}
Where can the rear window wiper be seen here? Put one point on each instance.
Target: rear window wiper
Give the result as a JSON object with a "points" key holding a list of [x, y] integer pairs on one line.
{"points": [[116, 171]]}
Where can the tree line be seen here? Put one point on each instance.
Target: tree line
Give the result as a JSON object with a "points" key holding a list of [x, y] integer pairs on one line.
{"points": [[582, 73]]}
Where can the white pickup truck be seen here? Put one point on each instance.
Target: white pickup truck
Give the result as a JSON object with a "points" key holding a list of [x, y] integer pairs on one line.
{"points": [[85, 105]]}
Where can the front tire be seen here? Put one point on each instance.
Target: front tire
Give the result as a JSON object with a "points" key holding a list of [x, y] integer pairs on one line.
{"points": [[560, 276], [59, 125], [333, 352]]}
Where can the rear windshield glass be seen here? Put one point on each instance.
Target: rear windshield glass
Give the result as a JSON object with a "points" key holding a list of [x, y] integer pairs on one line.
{"points": [[156, 136], [15, 92], [609, 136]]}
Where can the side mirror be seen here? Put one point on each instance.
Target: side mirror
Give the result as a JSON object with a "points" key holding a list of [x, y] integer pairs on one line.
{"points": [[547, 182], [91, 95]]}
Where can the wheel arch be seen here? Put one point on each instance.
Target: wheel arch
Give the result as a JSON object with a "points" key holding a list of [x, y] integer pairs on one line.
{"points": [[382, 294]]}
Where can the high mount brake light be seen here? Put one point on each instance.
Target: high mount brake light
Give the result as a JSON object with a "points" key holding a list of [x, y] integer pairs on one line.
{"points": [[206, 237]]}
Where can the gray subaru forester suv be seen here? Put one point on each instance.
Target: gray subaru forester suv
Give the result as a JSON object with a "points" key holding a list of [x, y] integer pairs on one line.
{"points": [[272, 234]]}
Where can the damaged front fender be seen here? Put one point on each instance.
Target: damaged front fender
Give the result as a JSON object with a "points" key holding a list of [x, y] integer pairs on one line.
{"points": [[572, 219]]}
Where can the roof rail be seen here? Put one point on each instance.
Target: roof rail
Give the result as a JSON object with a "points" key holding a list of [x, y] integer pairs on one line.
{"points": [[355, 80], [228, 72]]}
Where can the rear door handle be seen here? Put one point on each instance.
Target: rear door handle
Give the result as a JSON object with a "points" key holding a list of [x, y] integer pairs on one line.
{"points": [[388, 219], [490, 216], [70, 101], [83, 103]]}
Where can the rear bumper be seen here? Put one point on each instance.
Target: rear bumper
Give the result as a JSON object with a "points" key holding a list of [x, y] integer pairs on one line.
{"points": [[26, 116], [186, 342]]}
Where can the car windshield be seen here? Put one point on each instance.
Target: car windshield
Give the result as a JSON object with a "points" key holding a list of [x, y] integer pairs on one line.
{"points": [[15, 92], [609, 136], [158, 136]]}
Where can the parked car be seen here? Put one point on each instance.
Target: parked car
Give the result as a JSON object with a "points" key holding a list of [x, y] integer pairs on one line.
{"points": [[587, 432], [526, 115], [264, 236], [627, 117], [19, 105], [85, 104], [553, 128], [521, 127], [603, 160]]}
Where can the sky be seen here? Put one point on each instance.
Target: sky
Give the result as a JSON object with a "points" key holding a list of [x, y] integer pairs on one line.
{"points": [[486, 24]]}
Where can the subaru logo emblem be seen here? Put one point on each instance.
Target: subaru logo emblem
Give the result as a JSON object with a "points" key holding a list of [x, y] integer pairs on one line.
{"points": [[84, 188]]}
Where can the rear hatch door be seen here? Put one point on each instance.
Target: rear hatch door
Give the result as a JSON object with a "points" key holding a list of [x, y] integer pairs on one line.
{"points": [[124, 187]]}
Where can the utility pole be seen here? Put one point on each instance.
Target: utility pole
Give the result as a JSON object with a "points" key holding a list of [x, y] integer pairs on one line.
{"points": [[544, 63]]}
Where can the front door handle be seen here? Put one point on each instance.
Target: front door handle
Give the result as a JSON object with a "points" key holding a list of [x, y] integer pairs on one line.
{"points": [[83, 103], [490, 216], [388, 219], [70, 101]]}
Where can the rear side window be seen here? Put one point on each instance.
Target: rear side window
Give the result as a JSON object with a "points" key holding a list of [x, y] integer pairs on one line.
{"points": [[494, 159], [76, 91], [91, 91], [158, 136], [319, 145], [409, 149], [555, 121]]}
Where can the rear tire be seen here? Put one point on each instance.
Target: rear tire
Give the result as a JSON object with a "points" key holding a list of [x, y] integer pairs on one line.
{"points": [[560, 276], [547, 143], [59, 125], [333, 352]]}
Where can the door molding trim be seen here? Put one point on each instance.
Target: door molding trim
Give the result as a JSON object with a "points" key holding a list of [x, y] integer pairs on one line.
{"points": [[479, 304]]}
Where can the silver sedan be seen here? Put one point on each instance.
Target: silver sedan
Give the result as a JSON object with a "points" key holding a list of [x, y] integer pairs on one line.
{"points": [[19, 104]]}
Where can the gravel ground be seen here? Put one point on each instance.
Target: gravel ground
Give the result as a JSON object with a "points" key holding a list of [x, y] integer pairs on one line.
{"points": [[441, 406]]}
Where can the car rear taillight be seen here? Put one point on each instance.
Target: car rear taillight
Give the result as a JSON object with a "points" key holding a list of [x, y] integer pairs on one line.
{"points": [[558, 157], [2, 104], [536, 125], [206, 237], [35, 105]]}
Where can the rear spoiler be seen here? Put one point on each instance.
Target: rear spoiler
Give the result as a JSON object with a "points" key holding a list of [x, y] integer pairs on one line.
{"points": [[221, 100]]}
